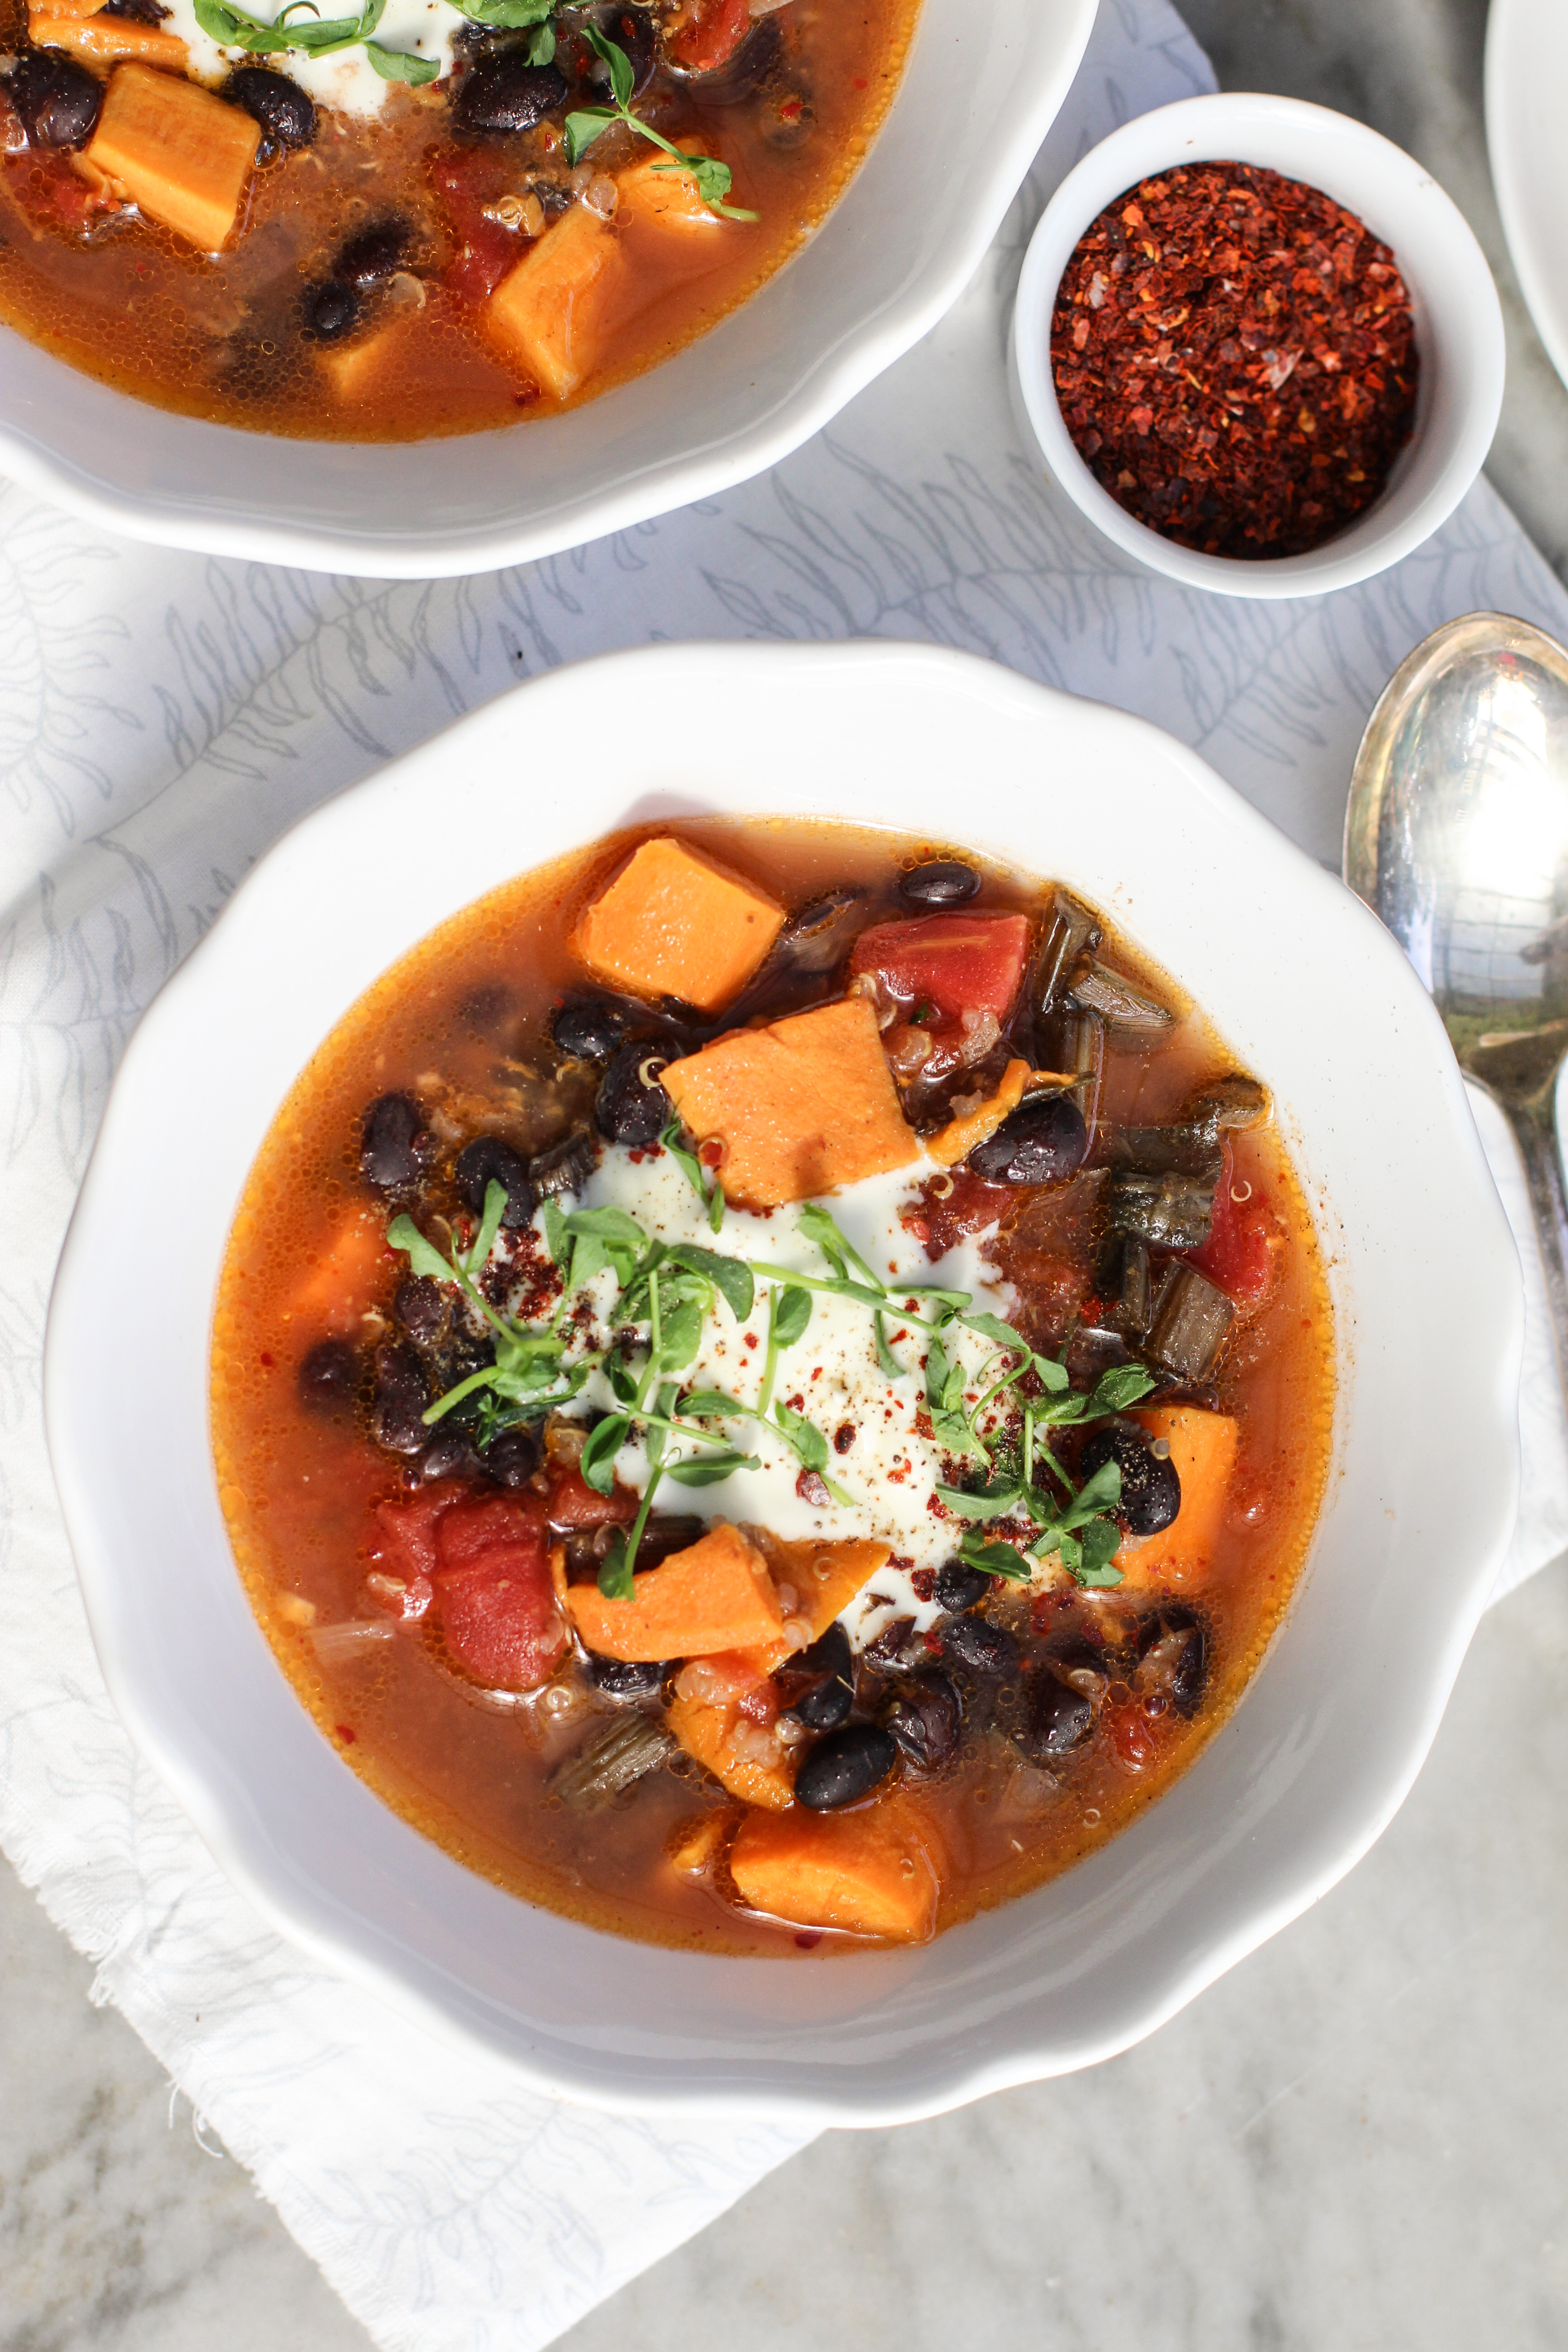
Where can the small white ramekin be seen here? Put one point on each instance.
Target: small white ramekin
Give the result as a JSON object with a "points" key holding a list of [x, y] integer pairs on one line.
{"points": [[1459, 327]]}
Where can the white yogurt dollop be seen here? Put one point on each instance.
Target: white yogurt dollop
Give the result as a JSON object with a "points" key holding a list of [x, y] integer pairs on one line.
{"points": [[831, 1374], [346, 79]]}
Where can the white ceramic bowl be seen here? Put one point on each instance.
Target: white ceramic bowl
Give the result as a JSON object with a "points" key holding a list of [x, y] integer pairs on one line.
{"points": [[1459, 327], [1311, 993], [1526, 73], [983, 82]]}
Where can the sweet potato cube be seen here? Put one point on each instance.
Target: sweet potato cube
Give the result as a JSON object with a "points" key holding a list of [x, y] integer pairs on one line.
{"points": [[548, 311], [869, 1872], [959, 1136], [344, 1279], [181, 153], [825, 1576], [1202, 1448], [716, 1737], [670, 201], [801, 1106], [696, 1847], [674, 922], [107, 40], [716, 1595]]}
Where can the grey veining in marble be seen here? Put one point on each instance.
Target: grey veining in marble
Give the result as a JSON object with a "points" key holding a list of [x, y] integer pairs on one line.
{"points": [[1356, 2140]]}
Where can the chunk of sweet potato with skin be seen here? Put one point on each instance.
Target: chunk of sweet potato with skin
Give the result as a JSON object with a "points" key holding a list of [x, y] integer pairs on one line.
{"points": [[825, 1576], [1203, 1447], [801, 1106], [708, 1732], [107, 40], [716, 1595], [668, 201], [869, 1872], [547, 312], [675, 922], [348, 1276], [959, 1136], [182, 155]]}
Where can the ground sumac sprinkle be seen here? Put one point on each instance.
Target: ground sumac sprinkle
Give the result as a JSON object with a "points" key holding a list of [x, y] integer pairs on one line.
{"points": [[1235, 359]]}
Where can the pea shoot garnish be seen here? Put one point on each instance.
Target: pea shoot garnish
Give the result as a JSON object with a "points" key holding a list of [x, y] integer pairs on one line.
{"points": [[666, 1294], [713, 179]]}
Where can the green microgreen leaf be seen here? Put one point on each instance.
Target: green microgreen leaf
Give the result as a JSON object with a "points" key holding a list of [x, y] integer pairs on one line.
{"points": [[809, 1444], [400, 64], [891, 1370], [584, 126], [707, 1469], [1122, 1386], [994, 1559], [707, 1187], [1095, 1549], [508, 16], [424, 1257], [604, 1442], [997, 1501], [730, 1277], [616, 1570], [701, 1404]]}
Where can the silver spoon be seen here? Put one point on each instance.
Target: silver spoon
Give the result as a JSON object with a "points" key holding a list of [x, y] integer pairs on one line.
{"points": [[1457, 837]]}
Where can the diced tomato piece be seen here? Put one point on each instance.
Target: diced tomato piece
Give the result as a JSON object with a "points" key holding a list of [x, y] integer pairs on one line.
{"points": [[473, 1527], [709, 34], [499, 1616], [940, 968], [573, 1503], [1239, 1254], [466, 180], [968, 1204], [405, 1542]]}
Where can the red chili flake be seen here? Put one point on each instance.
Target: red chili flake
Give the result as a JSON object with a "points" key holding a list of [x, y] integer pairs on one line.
{"points": [[346, 1733], [748, 1338], [811, 1488], [809, 1942], [1248, 373], [844, 1437], [922, 1583], [267, 1358]]}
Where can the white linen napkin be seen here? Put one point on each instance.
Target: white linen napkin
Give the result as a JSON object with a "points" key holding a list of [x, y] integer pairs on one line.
{"points": [[163, 720]]}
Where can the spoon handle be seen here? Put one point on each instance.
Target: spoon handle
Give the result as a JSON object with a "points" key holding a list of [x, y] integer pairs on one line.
{"points": [[1533, 1119]]}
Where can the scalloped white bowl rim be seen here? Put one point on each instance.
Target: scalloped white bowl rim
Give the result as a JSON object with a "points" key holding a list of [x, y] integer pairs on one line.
{"points": [[1421, 1498]]}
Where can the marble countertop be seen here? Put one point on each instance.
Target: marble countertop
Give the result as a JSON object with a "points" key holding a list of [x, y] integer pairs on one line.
{"points": [[1357, 2137]]}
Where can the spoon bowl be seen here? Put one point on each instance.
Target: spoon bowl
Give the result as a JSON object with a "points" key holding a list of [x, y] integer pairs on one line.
{"points": [[1456, 838]]}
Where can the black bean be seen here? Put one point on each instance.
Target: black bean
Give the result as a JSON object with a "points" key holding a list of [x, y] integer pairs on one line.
{"points": [[925, 1717], [631, 1107], [1044, 1142], [940, 882], [397, 1410], [451, 1455], [847, 1766], [633, 31], [1059, 1719], [56, 100], [420, 1306], [984, 1648], [616, 1678], [589, 1028], [487, 1160], [1175, 1657], [958, 1589], [375, 253], [1151, 1487], [395, 1145], [564, 1167], [501, 92], [512, 1457], [825, 1706], [329, 1377], [830, 1654], [275, 100], [138, 12], [329, 311]]}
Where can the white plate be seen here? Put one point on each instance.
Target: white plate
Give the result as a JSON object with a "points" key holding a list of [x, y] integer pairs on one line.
{"points": [[1309, 992], [983, 85], [1527, 91]]}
